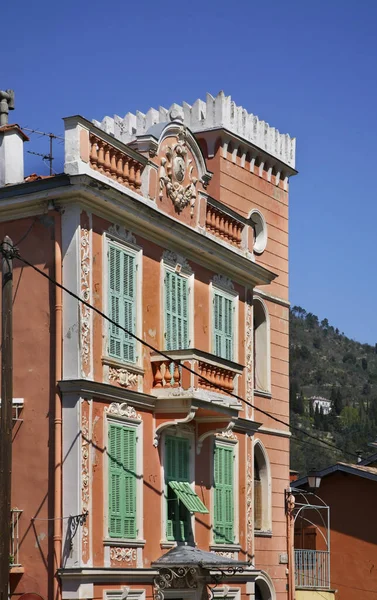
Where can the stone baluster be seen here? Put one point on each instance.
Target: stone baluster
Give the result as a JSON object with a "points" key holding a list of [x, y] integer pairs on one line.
{"points": [[119, 159], [107, 165], [126, 171], [113, 163], [137, 177], [93, 152], [131, 173], [157, 382], [176, 375], [101, 156]]}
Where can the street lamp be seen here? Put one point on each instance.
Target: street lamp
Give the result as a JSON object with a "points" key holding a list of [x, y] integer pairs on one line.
{"points": [[314, 480]]}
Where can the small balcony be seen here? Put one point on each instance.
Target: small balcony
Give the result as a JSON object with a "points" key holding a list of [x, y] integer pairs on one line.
{"points": [[14, 557], [312, 569], [214, 377]]}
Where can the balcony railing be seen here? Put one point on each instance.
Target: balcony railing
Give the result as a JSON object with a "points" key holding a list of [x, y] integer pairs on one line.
{"points": [[213, 373], [14, 558], [312, 569], [110, 161], [224, 226]]}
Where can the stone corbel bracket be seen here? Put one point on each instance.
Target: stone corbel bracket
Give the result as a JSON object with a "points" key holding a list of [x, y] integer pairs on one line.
{"points": [[204, 436], [189, 417]]}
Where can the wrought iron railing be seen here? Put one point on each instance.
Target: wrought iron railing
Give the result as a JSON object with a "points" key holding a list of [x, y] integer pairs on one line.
{"points": [[14, 559], [312, 569]]}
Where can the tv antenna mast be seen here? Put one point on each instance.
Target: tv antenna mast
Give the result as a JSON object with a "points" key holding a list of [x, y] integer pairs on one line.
{"points": [[48, 156]]}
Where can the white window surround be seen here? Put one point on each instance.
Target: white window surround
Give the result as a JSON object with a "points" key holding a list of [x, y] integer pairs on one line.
{"points": [[187, 273], [226, 593], [138, 425], [124, 593], [218, 441], [232, 295], [190, 435], [260, 227], [266, 586], [261, 457], [124, 244], [262, 346]]}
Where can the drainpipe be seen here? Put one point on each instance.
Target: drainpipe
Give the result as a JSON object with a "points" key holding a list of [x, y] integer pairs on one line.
{"points": [[290, 504], [58, 412]]}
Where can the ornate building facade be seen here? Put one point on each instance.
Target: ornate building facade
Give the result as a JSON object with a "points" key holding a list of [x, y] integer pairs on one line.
{"points": [[151, 475]]}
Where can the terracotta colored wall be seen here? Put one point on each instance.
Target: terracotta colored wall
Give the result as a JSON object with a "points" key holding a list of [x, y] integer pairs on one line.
{"points": [[353, 555], [33, 376]]}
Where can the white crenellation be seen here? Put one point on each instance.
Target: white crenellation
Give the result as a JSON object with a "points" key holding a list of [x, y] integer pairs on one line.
{"points": [[215, 113]]}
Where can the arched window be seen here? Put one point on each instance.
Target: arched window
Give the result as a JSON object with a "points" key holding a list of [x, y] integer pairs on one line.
{"points": [[264, 588], [262, 489], [262, 376]]}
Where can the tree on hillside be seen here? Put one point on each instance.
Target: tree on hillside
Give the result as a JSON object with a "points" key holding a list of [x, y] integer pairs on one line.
{"points": [[336, 400]]}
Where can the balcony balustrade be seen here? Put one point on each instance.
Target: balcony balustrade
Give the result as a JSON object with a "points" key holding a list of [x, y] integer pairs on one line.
{"points": [[312, 569], [114, 163], [224, 226], [213, 374]]}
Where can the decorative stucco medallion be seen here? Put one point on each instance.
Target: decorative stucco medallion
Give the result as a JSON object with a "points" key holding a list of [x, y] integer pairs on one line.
{"points": [[123, 377], [122, 409], [123, 554], [175, 166]]}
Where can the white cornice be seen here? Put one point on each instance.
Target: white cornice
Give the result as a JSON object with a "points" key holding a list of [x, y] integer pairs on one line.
{"points": [[142, 216]]}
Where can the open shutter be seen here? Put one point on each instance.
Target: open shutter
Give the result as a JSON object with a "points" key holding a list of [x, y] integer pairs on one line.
{"points": [[115, 481], [176, 469], [224, 495], [176, 311]]}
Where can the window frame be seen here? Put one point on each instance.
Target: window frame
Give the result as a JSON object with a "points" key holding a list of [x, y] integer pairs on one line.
{"points": [[181, 271], [266, 489], [234, 297], [136, 251], [266, 333], [137, 425], [187, 435]]}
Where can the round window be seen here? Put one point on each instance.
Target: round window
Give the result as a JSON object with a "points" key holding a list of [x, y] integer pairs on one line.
{"points": [[258, 223]]}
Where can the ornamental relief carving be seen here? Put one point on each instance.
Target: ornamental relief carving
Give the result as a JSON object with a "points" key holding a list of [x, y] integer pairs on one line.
{"points": [[249, 504], [121, 232], [85, 320], [223, 282], [122, 409], [123, 377], [123, 554], [176, 175], [85, 476], [249, 357], [176, 260], [227, 434]]}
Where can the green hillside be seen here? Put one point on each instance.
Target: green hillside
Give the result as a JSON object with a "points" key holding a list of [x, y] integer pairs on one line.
{"points": [[325, 363]]}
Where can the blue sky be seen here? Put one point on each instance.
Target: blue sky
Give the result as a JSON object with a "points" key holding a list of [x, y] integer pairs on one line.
{"points": [[308, 68]]}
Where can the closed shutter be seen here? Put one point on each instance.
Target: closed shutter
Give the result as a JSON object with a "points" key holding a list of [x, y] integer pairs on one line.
{"points": [[223, 325], [122, 300], [176, 311], [176, 469], [224, 494], [122, 481]]}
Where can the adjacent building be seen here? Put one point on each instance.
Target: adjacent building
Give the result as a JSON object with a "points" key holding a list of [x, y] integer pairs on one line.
{"points": [[135, 473]]}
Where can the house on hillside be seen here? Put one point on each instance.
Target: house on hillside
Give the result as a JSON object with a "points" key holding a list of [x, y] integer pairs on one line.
{"points": [[138, 474], [347, 562], [321, 404]]}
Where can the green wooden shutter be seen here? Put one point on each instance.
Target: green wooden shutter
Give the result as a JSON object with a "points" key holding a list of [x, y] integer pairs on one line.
{"points": [[176, 311], [176, 469], [223, 325], [122, 481], [224, 495], [122, 301]]}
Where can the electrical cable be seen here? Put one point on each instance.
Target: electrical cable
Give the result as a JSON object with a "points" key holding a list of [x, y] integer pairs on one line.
{"points": [[14, 253]]}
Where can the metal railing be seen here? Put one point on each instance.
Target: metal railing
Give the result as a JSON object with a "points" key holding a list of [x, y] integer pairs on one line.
{"points": [[312, 569], [14, 559]]}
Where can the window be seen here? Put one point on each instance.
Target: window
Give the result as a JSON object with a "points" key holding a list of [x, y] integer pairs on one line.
{"points": [[223, 527], [122, 481], [261, 347], [223, 325], [262, 489], [176, 311], [181, 499], [122, 301]]}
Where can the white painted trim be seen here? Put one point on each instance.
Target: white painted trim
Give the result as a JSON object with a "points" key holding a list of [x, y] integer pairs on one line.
{"points": [[226, 593], [267, 586], [261, 240], [267, 342], [138, 426], [190, 435], [271, 297], [266, 488], [137, 251], [124, 593]]}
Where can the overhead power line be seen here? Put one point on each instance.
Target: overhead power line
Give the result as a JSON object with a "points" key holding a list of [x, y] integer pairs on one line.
{"points": [[15, 254]]}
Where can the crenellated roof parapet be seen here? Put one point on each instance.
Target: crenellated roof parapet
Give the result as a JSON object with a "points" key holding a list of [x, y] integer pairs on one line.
{"points": [[219, 112]]}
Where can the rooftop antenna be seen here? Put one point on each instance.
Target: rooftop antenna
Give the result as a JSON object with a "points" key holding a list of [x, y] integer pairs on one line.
{"points": [[48, 156], [6, 104]]}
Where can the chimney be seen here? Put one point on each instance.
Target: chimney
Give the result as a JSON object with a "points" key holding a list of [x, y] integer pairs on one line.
{"points": [[12, 140]]}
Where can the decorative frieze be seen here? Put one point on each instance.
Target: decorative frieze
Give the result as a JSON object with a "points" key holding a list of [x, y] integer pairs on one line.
{"points": [[223, 282], [122, 233], [122, 409], [123, 377], [127, 555], [85, 293], [249, 502], [85, 476], [176, 260], [249, 358]]}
